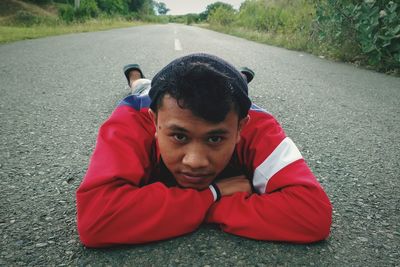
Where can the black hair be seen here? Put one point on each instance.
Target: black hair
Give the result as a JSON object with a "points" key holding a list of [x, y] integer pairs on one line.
{"points": [[200, 88]]}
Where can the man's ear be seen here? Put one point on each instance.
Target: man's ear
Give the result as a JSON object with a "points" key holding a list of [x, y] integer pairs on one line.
{"points": [[242, 124], [153, 117]]}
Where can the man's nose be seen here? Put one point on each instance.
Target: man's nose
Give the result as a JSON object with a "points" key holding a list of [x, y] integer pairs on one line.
{"points": [[195, 157]]}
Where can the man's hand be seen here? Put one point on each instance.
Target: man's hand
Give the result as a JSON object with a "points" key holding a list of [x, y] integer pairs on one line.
{"points": [[235, 184]]}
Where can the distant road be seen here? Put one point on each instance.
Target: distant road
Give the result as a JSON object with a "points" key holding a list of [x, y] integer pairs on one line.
{"points": [[55, 92]]}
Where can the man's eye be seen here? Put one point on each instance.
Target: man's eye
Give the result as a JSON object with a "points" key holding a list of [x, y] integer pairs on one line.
{"points": [[215, 139], [180, 137]]}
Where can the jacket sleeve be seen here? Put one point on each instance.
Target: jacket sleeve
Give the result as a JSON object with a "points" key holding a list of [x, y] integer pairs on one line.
{"points": [[289, 204], [112, 205]]}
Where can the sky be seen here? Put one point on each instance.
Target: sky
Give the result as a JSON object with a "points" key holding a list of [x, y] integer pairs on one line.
{"points": [[181, 7]]}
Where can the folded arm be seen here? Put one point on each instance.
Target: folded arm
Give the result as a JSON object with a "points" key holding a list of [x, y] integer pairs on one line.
{"points": [[288, 203], [298, 213], [113, 207]]}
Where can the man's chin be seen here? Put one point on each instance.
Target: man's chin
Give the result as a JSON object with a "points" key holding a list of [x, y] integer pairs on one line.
{"points": [[194, 183], [198, 187]]}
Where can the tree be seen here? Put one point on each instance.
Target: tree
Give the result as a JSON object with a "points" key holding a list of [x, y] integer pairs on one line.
{"points": [[113, 6], [141, 6], [161, 8], [222, 16], [214, 6]]}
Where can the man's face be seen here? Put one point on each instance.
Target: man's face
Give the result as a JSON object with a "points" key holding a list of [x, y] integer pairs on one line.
{"points": [[194, 150]]}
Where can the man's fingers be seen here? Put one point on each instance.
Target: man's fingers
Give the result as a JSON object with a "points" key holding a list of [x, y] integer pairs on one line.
{"points": [[233, 185]]}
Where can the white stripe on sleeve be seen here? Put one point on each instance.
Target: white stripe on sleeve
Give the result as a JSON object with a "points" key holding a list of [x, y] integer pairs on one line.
{"points": [[213, 192], [284, 154]]}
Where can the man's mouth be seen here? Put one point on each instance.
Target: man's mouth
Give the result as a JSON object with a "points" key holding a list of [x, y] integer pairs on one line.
{"points": [[195, 177]]}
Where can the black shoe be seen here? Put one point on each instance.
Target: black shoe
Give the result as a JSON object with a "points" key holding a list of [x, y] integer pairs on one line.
{"points": [[248, 73], [131, 67]]}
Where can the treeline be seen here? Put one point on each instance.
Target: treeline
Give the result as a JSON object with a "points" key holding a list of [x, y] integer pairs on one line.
{"points": [[365, 32], [88, 9]]}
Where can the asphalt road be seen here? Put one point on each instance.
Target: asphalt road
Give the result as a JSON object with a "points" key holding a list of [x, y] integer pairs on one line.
{"points": [[55, 92]]}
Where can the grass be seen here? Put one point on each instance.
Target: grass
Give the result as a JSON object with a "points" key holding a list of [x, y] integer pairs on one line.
{"points": [[15, 33], [298, 42], [10, 7], [21, 20], [293, 41], [282, 23], [296, 25]]}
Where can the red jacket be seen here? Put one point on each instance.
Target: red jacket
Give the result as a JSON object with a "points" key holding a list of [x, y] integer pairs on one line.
{"points": [[126, 196]]}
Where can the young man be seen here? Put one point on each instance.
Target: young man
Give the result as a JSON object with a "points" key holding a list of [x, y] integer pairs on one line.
{"points": [[194, 150]]}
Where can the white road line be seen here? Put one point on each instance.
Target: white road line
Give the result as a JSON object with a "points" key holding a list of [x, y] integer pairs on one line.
{"points": [[178, 45]]}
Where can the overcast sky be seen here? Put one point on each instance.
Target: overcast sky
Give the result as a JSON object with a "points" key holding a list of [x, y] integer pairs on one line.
{"points": [[181, 7]]}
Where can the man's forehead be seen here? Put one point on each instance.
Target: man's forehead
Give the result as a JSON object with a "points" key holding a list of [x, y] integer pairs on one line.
{"points": [[186, 121], [171, 104], [173, 117], [188, 127]]}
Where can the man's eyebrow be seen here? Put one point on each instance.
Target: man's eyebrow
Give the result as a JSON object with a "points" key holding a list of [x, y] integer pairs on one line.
{"points": [[176, 128], [218, 132]]}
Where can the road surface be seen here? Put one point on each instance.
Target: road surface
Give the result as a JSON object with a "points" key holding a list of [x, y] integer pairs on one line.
{"points": [[56, 92]]}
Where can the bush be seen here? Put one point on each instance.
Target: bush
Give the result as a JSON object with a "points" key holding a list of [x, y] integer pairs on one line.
{"points": [[191, 18], [275, 17], [212, 7], [26, 18], [87, 9], [149, 18], [177, 19], [40, 2], [145, 7], [371, 28], [222, 16], [67, 13], [113, 6]]}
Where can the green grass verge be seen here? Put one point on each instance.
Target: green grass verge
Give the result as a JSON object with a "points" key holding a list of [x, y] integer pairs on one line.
{"points": [[294, 41], [16, 33], [299, 42]]}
